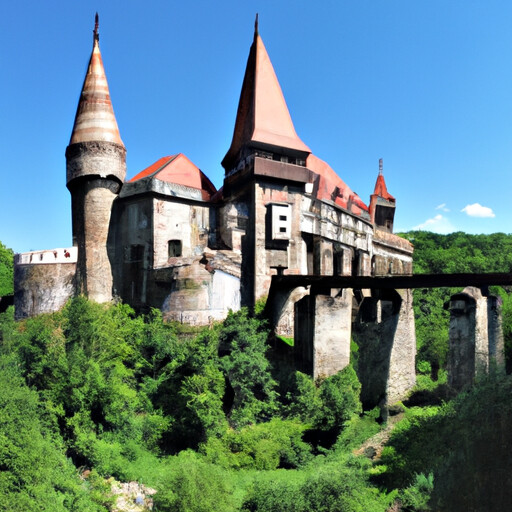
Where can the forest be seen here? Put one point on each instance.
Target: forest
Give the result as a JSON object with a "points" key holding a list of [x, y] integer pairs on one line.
{"points": [[95, 394]]}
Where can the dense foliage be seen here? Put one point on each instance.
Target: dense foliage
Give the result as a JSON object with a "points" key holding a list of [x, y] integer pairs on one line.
{"points": [[199, 417], [463, 447], [205, 419], [6, 271]]}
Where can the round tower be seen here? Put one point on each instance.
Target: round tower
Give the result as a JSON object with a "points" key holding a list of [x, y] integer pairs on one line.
{"points": [[95, 171]]}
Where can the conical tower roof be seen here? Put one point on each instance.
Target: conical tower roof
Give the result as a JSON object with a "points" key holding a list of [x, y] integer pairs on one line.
{"points": [[262, 118], [95, 119], [380, 185]]}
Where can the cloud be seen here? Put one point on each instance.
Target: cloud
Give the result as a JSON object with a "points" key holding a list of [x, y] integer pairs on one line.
{"points": [[442, 207], [477, 210], [437, 224]]}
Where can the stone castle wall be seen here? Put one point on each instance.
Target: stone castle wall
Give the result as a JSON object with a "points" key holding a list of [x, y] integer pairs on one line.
{"points": [[42, 285]]}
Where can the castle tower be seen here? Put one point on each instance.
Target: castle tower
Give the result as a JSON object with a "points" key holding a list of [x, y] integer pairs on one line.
{"points": [[95, 171], [382, 204], [265, 171]]}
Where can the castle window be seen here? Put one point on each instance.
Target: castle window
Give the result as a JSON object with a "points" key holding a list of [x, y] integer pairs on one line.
{"points": [[281, 222], [175, 248], [241, 222]]}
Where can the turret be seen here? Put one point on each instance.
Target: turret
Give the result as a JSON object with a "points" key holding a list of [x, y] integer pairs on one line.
{"points": [[95, 171], [382, 204]]}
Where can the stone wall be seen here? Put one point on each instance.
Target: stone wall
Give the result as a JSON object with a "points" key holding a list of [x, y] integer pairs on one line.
{"points": [[42, 288], [184, 222], [92, 208], [198, 296]]}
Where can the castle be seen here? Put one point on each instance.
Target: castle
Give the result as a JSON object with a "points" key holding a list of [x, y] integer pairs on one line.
{"points": [[168, 239]]}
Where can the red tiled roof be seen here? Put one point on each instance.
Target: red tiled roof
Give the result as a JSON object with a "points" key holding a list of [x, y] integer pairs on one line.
{"points": [[153, 168], [381, 189], [95, 119], [178, 169], [332, 188]]}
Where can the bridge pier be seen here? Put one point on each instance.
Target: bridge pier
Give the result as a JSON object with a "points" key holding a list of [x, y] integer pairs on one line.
{"points": [[323, 325], [476, 337], [385, 334]]}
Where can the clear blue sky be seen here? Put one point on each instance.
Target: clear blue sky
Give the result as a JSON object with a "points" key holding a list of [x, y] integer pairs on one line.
{"points": [[426, 85]]}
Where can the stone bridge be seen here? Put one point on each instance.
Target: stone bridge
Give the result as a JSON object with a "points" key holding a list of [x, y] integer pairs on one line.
{"points": [[323, 313]]}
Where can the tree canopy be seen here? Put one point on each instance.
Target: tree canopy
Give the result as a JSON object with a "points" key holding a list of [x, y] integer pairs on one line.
{"points": [[6, 271]]}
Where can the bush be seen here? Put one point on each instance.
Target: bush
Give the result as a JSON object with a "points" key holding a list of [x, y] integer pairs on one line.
{"points": [[189, 484], [266, 446], [339, 395], [342, 486], [416, 497]]}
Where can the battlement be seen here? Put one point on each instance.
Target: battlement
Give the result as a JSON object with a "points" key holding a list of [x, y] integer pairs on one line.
{"points": [[65, 255]]}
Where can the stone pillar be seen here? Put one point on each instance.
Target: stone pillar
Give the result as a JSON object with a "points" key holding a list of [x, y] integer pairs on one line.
{"points": [[402, 364], [495, 331], [365, 265], [323, 327], [468, 355], [323, 255], [283, 311], [384, 331]]}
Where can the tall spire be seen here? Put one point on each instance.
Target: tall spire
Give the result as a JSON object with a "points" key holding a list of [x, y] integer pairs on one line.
{"points": [[380, 185], [95, 119], [262, 119], [382, 204]]}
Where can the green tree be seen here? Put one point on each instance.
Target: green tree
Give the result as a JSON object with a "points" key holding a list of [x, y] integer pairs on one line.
{"points": [[6, 271], [244, 341], [339, 395], [34, 472]]}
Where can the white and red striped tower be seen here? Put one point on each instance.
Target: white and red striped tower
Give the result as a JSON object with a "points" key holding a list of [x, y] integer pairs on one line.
{"points": [[95, 171]]}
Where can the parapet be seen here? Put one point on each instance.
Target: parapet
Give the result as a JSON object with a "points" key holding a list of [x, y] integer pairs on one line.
{"points": [[65, 255]]}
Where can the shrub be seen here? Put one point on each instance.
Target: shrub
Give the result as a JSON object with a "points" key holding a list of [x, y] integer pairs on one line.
{"points": [[34, 472], [265, 446], [339, 395], [189, 484]]}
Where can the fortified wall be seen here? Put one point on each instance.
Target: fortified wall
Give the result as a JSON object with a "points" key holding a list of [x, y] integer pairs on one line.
{"points": [[43, 281]]}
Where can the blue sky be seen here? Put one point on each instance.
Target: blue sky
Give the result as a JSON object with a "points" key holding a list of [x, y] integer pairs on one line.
{"points": [[425, 85]]}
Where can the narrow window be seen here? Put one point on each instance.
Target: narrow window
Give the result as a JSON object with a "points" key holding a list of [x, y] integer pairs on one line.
{"points": [[175, 248]]}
